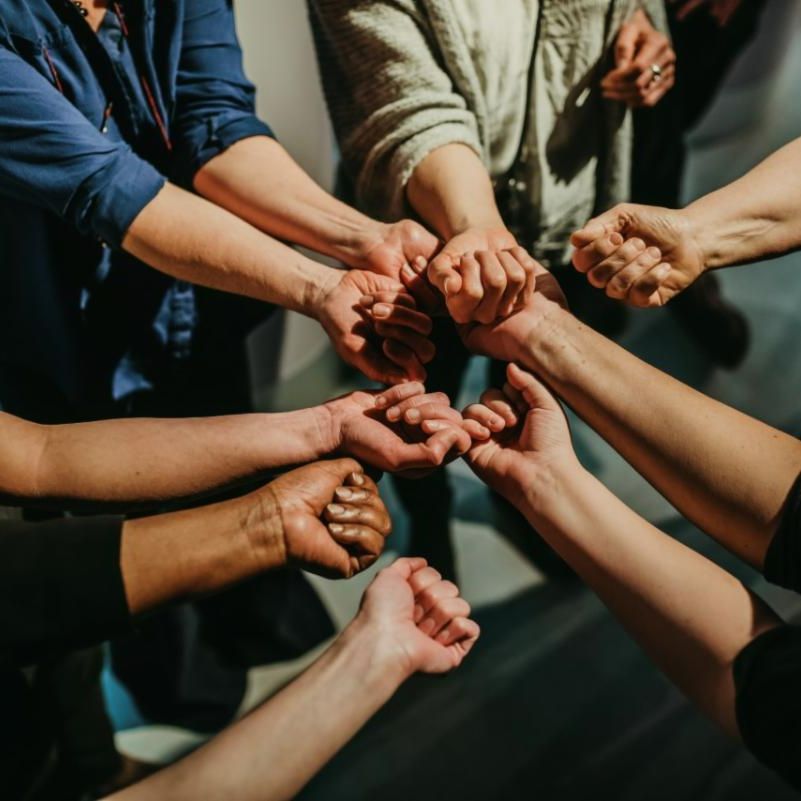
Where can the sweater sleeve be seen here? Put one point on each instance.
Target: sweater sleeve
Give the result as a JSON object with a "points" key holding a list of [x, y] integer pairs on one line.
{"points": [[783, 557], [390, 99], [62, 586]]}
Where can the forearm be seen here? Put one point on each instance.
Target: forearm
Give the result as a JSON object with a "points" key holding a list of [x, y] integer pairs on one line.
{"points": [[757, 216], [452, 191], [258, 181], [272, 753], [690, 616], [730, 474], [192, 239], [186, 554], [151, 459]]}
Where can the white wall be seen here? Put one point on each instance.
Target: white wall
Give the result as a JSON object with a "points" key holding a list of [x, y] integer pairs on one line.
{"points": [[280, 60]]}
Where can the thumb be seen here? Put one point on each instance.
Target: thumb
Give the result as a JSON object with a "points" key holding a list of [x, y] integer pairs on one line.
{"points": [[534, 392], [607, 223], [443, 276], [625, 45], [407, 565]]}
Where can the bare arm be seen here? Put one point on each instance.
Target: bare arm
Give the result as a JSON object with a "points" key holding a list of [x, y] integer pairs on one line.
{"points": [[689, 615], [272, 753], [730, 474]]}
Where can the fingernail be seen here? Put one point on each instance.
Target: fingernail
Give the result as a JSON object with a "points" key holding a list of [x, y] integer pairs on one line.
{"points": [[393, 413], [336, 528], [343, 493], [413, 416], [382, 310], [408, 273], [654, 253], [616, 239], [336, 509], [366, 300], [420, 264], [495, 422], [485, 431], [357, 478], [380, 401], [433, 425], [451, 286]]}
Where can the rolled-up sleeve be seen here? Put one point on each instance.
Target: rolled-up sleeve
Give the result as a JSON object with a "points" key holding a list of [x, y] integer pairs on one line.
{"points": [[390, 99], [61, 586], [52, 156], [215, 102]]}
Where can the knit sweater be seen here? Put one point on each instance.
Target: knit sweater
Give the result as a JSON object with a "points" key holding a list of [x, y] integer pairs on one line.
{"points": [[404, 77]]}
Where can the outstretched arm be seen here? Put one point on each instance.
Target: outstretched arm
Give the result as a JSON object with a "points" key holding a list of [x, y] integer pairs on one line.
{"points": [[727, 472], [756, 217], [272, 753], [139, 460], [690, 616]]}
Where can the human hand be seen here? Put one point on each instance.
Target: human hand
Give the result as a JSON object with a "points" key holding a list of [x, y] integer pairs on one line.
{"points": [[644, 255], [403, 429], [506, 339], [530, 436], [326, 517], [721, 10], [392, 352], [391, 249], [644, 64], [417, 620], [481, 274]]}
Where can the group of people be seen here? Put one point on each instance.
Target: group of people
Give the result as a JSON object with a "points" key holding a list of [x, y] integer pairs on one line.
{"points": [[146, 218]]}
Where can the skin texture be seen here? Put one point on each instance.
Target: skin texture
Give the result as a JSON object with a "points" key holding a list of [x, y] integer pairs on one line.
{"points": [[639, 46], [726, 472], [274, 751], [646, 255], [691, 617], [290, 521], [136, 461]]}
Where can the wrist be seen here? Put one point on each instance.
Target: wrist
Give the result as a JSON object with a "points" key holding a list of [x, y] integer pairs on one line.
{"points": [[330, 426], [385, 664], [701, 232], [357, 238], [542, 491], [547, 318], [318, 285], [261, 526]]}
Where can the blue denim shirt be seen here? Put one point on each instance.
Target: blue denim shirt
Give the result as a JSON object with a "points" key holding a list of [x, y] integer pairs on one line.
{"points": [[82, 323]]}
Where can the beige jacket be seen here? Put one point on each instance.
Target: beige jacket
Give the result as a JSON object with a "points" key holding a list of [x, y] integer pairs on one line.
{"points": [[403, 77]]}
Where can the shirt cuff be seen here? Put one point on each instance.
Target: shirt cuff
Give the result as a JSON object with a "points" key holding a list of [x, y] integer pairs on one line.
{"points": [[218, 137], [111, 199]]}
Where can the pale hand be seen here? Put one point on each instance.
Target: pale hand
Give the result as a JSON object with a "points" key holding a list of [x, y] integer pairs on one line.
{"points": [[418, 620], [644, 255]]}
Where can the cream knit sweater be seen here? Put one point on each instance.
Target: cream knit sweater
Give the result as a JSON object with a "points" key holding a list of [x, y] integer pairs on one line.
{"points": [[404, 77]]}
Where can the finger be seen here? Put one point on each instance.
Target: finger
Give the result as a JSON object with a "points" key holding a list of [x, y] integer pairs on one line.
{"points": [[399, 393], [358, 478], [497, 402], [357, 539], [424, 578], [397, 411], [431, 411], [485, 416], [459, 630], [405, 358], [530, 265], [392, 297], [534, 392], [516, 277], [656, 90], [426, 295], [377, 367], [493, 285], [619, 284], [625, 44], [476, 430], [441, 614], [660, 54], [371, 515], [645, 290], [403, 316], [406, 565], [442, 274], [628, 252], [463, 305], [516, 399], [604, 225], [421, 346], [448, 444], [596, 251], [426, 599]]}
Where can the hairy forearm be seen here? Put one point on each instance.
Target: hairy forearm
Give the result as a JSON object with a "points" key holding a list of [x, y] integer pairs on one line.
{"points": [[185, 554], [451, 190], [689, 615], [258, 181], [272, 753], [730, 474], [140, 460], [754, 217], [192, 239]]}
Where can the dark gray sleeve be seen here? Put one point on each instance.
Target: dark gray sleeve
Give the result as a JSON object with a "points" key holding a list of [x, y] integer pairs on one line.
{"points": [[61, 586], [783, 558]]}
